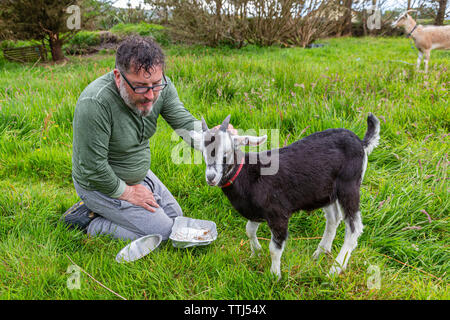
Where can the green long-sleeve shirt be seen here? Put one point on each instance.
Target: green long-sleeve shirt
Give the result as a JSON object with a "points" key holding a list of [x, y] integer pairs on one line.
{"points": [[110, 142]]}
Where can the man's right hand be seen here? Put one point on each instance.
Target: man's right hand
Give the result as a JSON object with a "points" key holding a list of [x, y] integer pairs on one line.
{"points": [[140, 196]]}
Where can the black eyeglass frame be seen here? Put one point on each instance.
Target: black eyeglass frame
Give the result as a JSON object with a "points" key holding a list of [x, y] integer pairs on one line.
{"points": [[156, 86]]}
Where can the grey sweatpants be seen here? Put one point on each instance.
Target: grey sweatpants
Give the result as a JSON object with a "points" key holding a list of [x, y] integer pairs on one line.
{"points": [[123, 220]]}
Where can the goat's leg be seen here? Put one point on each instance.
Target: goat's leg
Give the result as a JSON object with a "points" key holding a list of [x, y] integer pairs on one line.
{"points": [[276, 250], [279, 230], [427, 59], [419, 60], [334, 216], [251, 228], [350, 243]]}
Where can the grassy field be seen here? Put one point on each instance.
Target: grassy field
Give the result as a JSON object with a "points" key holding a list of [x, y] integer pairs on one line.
{"points": [[404, 198]]}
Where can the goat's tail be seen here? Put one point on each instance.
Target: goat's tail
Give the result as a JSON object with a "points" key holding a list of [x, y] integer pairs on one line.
{"points": [[372, 136]]}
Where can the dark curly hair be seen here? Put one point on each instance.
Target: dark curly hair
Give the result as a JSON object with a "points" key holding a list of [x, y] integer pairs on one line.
{"points": [[139, 52]]}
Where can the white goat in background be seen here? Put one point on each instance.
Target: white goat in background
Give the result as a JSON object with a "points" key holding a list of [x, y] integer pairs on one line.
{"points": [[425, 38]]}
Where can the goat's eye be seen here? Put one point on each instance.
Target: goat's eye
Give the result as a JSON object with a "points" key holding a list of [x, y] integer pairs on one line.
{"points": [[213, 153]]}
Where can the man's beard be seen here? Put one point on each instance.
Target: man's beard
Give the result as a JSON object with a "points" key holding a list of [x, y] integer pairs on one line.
{"points": [[132, 104]]}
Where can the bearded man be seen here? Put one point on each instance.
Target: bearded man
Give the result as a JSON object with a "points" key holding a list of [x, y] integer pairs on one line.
{"points": [[114, 118]]}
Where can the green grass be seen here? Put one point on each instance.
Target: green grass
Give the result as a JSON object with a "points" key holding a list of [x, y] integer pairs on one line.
{"points": [[297, 91]]}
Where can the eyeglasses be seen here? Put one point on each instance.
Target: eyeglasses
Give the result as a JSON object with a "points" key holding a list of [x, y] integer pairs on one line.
{"points": [[142, 89]]}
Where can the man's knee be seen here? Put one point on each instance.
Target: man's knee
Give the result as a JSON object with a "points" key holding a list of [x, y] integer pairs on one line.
{"points": [[157, 223]]}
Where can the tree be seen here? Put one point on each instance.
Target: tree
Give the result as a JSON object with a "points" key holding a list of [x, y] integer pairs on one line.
{"points": [[42, 20], [441, 13], [348, 17]]}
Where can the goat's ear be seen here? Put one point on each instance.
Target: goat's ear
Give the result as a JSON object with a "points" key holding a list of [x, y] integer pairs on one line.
{"points": [[248, 140], [225, 123], [197, 139], [204, 125]]}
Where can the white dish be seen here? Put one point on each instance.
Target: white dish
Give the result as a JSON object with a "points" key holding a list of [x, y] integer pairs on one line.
{"points": [[139, 248], [188, 232]]}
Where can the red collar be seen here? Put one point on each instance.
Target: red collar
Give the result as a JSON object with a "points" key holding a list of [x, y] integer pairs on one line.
{"points": [[230, 182]]}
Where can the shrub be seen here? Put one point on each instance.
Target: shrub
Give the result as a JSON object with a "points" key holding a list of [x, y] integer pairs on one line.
{"points": [[86, 38], [156, 31], [82, 42], [260, 22], [18, 43]]}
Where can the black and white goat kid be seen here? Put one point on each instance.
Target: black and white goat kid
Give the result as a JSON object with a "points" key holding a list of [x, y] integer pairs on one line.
{"points": [[323, 170]]}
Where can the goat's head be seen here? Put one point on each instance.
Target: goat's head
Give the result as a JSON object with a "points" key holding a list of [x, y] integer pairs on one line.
{"points": [[219, 147], [402, 18]]}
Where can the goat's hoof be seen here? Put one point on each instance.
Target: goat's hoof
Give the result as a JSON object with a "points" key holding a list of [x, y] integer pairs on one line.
{"points": [[334, 271], [276, 274], [316, 255], [255, 251], [319, 251]]}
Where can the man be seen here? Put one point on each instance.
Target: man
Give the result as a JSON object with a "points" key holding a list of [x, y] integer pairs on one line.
{"points": [[113, 120]]}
